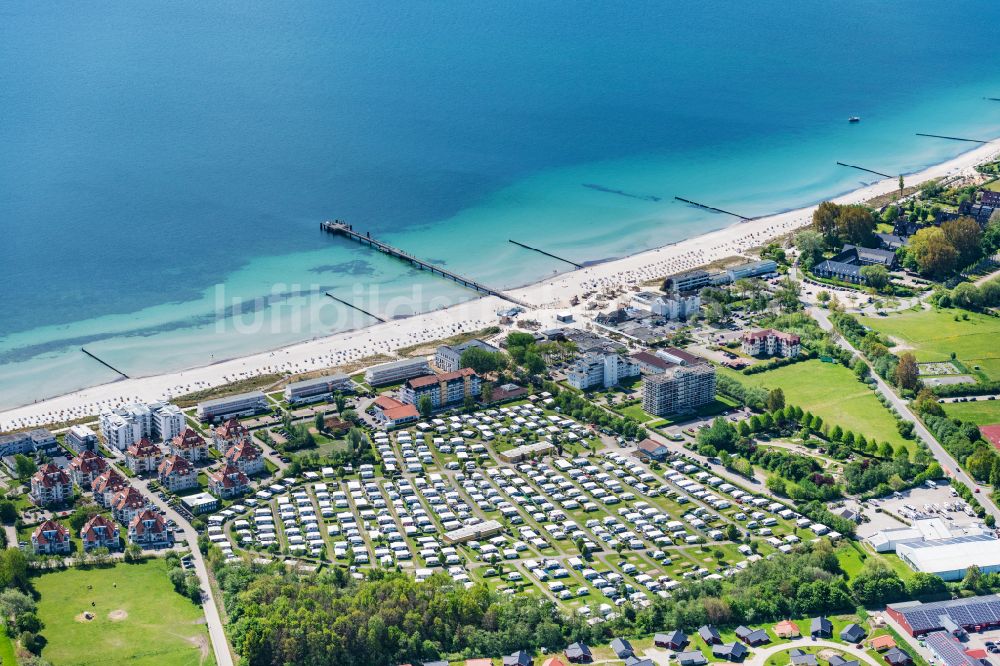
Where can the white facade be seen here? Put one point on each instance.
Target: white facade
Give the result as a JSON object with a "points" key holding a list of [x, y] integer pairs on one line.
{"points": [[168, 422], [119, 431], [676, 306], [595, 369]]}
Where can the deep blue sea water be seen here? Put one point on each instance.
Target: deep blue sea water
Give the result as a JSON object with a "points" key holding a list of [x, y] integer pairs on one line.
{"points": [[152, 152]]}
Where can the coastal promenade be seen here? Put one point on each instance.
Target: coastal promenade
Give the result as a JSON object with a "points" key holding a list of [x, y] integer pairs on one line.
{"points": [[545, 300]]}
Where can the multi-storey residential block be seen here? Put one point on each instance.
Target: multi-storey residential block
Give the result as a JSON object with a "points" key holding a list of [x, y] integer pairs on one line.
{"points": [[50, 486], [448, 358], [247, 458], [99, 532], [321, 388], [86, 467], [107, 485], [678, 389], [768, 342], [80, 438], [228, 482], [596, 369], [450, 388], [143, 457], [50, 538], [234, 406], [397, 371], [229, 434], [149, 530], [176, 473], [189, 444]]}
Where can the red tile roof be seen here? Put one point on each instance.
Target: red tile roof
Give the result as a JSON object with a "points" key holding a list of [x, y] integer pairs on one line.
{"points": [[128, 498], [243, 451], [109, 480], [229, 477], [49, 475], [143, 449], [138, 523], [50, 528], [175, 465], [189, 439], [98, 528], [231, 429], [89, 462], [767, 332]]}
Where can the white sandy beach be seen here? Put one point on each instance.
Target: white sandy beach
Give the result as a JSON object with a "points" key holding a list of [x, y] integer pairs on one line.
{"points": [[549, 297]]}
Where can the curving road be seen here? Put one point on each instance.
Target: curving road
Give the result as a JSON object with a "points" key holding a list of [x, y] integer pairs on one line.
{"points": [[761, 655]]}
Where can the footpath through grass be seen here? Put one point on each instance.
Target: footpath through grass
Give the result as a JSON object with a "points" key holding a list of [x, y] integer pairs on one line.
{"points": [[135, 617], [934, 334], [832, 392]]}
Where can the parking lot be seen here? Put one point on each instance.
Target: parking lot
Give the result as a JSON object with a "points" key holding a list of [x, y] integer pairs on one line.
{"points": [[916, 503]]}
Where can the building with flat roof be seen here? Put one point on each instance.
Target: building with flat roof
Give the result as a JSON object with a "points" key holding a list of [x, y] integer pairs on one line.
{"points": [[201, 503], [80, 438], [486, 528], [168, 421], [26, 442], [751, 269], [949, 559], [450, 388], [234, 406], [678, 389], [597, 370], [318, 389], [689, 281], [397, 371], [533, 450], [448, 358]]}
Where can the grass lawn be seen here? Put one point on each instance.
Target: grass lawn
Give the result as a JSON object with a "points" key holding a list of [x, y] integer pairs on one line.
{"points": [[934, 335], [849, 557], [138, 618], [7, 655], [830, 391], [636, 412], [981, 412]]}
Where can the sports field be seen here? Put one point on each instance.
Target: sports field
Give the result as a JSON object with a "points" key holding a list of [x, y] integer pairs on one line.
{"points": [[982, 412], [125, 614]]}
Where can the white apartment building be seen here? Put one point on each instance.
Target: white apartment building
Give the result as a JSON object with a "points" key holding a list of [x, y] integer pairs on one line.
{"points": [[595, 369], [168, 421]]}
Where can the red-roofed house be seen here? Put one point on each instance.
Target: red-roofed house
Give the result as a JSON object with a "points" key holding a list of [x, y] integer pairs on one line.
{"points": [[246, 457], [86, 467], [882, 643], [176, 473], [769, 342], [190, 445], [228, 482], [149, 530], [787, 629], [991, 433], [50, 485], [143, 457], [107, 485], [392, 413], [229, 434], [126, 504], [99, 532], [50, 538]]}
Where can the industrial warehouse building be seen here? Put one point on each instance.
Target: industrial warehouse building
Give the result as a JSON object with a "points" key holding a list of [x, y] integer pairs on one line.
{"points": [[954, 616], [945, 550]]}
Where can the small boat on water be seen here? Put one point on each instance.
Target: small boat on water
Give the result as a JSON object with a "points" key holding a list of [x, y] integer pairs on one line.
{"points": [[854, 119]]}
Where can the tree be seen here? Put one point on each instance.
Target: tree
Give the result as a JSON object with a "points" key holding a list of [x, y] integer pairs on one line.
{"points": [[934, 255], [885, 450], [339, 401], [810, 246], [900, 186], [966, 237], [720, 435], [777, 485], [775, 400], [487, 392], [876, 276], [876, 584], [907, 373], [319, 422], [825, 221], [533, 363], [425, 406], [482, 361], [24, 466], [8, 512], [856, 225], [967, 295]]}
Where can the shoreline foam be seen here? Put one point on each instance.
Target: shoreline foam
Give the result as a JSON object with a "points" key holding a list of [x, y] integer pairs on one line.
{"points": [[551, 295]]}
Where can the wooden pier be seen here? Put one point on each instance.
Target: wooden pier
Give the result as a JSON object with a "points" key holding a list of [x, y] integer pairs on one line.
{"points": [[339, 228], [104, 363], [355, 307], [547, 254], [713, 208], [861, 168], [951, 138]]}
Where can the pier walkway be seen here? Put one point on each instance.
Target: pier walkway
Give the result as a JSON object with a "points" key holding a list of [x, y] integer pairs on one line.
{"points": [[337, 227]]}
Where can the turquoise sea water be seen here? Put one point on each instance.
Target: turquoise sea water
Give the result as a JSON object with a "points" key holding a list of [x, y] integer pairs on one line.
{"points": [[156, 156]]}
